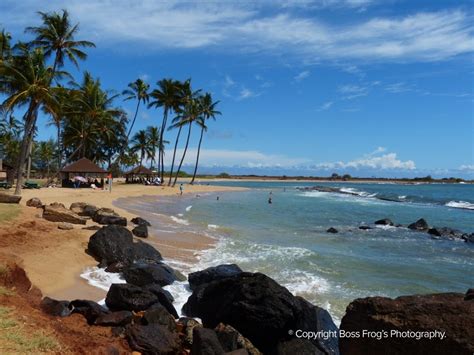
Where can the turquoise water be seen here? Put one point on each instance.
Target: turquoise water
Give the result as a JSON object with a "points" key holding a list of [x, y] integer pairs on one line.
{"points": [[288, 241]]}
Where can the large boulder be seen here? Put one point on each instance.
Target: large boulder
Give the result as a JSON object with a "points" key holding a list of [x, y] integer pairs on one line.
{"points": [[7, 198], [157, 314], [164, 298], [114, 319], [89, 309], [212, 274], [108, 216], [140, 221], [55, 308], [89, 210], [140, 231], [34, 202], [58, 213], [113, 244], [152, 339], [405, 320], [468, 238], [232, 340], [260, 309], [332, 230], [420, 225], [384, 222], [142, 274], [78, 207], [205, 342], [129, 298]]}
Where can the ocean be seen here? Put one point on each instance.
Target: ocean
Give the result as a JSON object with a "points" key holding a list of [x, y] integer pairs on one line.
{"points": [[287, 239]]}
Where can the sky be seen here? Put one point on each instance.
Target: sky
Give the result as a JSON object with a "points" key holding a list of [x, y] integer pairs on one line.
{"points": [[365, 87]]}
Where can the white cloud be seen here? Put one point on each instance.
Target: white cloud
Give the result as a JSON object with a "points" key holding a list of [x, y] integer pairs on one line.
{"points": [[373, 160], [302, 75], [246, 94], [244, 26], [326, 106], [353, 91], [467, 167], [239, 158]]}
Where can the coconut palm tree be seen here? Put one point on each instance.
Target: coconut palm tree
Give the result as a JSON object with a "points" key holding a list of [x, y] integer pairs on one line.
{"points": [[5, 45], [138, 90], [140, 144], [208, 111], [56, 37], [93, 128], [44, 154], [166, 96], [185, 96], [153, 136], [192, 112], [25, 80]]}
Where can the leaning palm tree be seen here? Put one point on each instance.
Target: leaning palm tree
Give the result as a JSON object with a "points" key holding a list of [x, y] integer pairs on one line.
{"points": [[185, 96], [140, 144], [208, 110], [26, 82], [166, 96], [56, 37], [138, 90], [192, 112], [5, 45]]}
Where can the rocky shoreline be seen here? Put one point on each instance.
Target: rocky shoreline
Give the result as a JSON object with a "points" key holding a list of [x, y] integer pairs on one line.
{"points": [[242, 312]]}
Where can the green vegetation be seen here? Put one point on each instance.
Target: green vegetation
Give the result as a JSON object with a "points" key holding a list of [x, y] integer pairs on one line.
{"points": [[88, 121], [16, 339]]}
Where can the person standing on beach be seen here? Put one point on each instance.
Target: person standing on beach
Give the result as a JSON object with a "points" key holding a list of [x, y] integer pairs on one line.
{"points": [[181, 188]]}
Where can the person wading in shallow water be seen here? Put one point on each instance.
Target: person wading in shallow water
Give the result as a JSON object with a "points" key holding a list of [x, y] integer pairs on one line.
{"points": [[270, 200], [181, 188]]}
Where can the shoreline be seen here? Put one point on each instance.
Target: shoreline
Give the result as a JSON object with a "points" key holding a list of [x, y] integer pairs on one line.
{"points": [[54, 259]]}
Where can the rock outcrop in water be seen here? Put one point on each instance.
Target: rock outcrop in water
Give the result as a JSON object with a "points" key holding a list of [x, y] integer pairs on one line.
{"points": [[420, 225], [450, 313]]}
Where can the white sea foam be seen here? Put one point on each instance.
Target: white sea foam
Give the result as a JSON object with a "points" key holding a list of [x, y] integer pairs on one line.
{"points": [[100, 278], [402, 197], [188, 208], [180, 291], [180, 220], [461, 204], [212, 226]]}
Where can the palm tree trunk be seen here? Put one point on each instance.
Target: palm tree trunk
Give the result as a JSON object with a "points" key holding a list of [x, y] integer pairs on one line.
{"points": [[30, 119], [59, 147], [134, 118], [197, 158], [174, 155], [28, 169], [184, 154], [163, 165], [163, 127]]}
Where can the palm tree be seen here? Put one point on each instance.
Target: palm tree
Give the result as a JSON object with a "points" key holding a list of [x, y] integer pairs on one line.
{"points": [[137, 90], [26, 81], [166, 96], [153, 136], [192, 111], [56, 37], [141, 144], [5, 45], [185, 96], [209, 111], [93, 127], [44, 153]]}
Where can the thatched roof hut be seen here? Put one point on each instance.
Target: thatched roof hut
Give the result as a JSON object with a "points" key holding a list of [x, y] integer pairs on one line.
{"points": [[83, 167], [139, 173]]}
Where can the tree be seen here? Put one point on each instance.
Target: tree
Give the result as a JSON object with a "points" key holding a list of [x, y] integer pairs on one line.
{"points": [[26, 82], [140, 144], [167, 95], [56, 37], [138, 90], [208, 111], [44, 155], [192, 111], [93, 128], [5, 45], [153, 136]]}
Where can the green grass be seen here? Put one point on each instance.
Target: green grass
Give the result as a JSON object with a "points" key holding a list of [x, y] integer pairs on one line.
{"points": [[8, 212], [16, 340]]}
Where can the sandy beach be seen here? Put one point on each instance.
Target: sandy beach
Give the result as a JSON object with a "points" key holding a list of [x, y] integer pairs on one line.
{"points": [[54, 259]]}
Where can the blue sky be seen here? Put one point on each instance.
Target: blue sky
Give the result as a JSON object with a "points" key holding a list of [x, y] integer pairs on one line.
{"points": [[366, 87]]}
